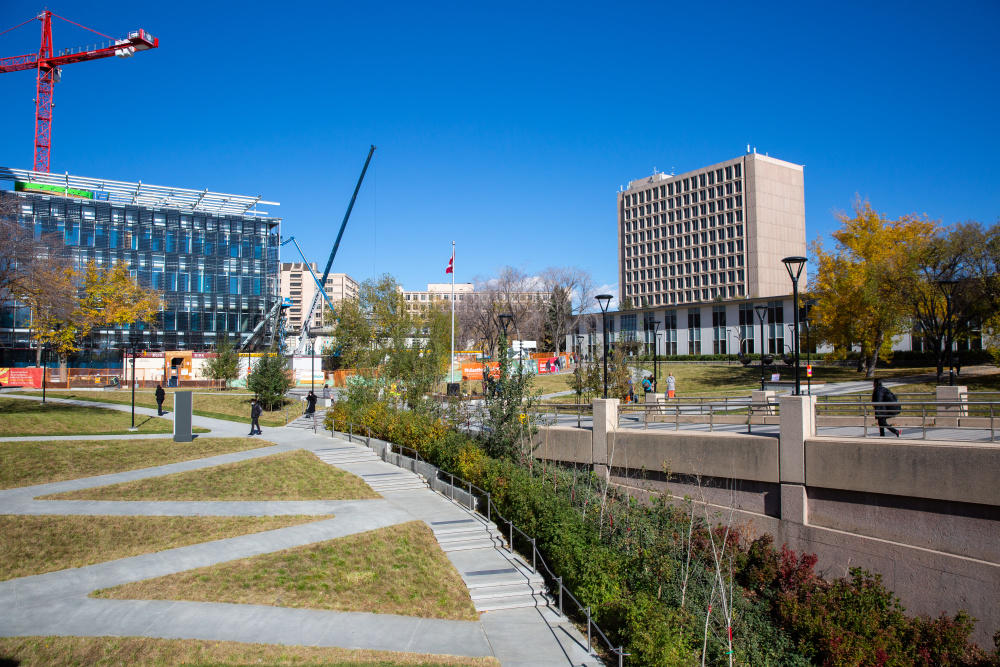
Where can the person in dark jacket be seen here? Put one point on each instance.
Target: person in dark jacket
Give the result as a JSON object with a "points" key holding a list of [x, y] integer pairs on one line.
{"points": [[311, 403], [886, 406], [160, 395], [255, 412]]}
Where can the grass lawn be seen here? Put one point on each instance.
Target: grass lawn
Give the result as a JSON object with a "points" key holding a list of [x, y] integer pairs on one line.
{"points": [[733, 379], [231, 405], [147, 652], [393, 570], [40, 462], [296, 475], [34, 544], [22, 417]]}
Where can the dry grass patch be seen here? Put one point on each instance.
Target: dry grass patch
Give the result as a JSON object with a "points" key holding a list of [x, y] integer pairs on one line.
{"points": [[45, 543], [229, 405], [21, 417], [143, 651], [296, 475], [394, 570], [29, 463]]}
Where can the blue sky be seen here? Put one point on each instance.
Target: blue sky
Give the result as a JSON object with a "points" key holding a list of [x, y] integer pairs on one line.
{"points": [[509, 127]]}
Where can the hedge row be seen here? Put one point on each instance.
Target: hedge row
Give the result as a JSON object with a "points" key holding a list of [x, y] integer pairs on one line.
{"points": [[649, 573]]}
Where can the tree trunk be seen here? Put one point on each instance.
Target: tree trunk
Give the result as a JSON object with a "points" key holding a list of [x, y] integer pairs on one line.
{"points": [[871, 361]]}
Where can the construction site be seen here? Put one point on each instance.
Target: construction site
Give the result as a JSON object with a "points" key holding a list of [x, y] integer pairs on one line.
{"points": [[214, 256]]}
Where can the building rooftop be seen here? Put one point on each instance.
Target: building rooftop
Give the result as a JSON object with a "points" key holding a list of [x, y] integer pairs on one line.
{"points": [[135, 194]]}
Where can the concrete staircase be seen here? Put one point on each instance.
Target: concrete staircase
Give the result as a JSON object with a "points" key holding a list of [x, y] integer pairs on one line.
{"points": [[305, 422], [496, 579], [383, 481], [510, 587]]}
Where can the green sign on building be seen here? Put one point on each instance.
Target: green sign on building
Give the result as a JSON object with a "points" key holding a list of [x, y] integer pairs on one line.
{"points": [[23, 186]]}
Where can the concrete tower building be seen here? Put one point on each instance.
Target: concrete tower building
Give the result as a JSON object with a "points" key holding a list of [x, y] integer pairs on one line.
{"points": [[711, 234]]}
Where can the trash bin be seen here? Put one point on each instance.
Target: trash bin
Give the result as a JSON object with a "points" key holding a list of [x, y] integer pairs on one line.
{"points": [[454, 389]]}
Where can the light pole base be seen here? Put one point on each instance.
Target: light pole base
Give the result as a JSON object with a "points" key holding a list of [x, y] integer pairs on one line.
{"points": [[133, 430]]}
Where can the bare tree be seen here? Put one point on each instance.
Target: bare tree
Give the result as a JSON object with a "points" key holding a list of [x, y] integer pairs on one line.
{"points": [[572, 291]]}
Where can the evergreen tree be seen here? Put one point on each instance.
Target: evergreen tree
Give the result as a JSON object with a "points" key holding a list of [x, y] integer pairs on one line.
{"points": [[507, 420], [225, 366], [269, 380]]}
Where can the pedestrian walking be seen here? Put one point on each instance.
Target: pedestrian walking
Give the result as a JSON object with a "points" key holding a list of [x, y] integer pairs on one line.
{"points": [[255, 412], [886, 405], [671, 385], [326, 392], [160, 396], [310, 403]]}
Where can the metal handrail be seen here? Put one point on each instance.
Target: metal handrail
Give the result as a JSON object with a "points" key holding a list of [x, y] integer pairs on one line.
{"points": [[927, 411], [536, 556]]}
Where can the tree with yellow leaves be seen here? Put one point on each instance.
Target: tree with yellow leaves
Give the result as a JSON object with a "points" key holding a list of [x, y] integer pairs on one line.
{"points": [[67, 304], [111, 298], [859, 286]]}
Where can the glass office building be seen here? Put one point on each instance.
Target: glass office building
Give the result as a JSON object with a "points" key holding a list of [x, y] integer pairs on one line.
{"points": [[214, 256]]}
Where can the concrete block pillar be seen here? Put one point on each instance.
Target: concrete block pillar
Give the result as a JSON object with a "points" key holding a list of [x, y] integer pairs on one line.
{"points": [[605, 424], [957, 399], [762, 397], [798, 423]]}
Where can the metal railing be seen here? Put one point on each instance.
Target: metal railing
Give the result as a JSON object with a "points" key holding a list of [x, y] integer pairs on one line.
{"points": [[723, 410], [977, 415], [583, 612]]}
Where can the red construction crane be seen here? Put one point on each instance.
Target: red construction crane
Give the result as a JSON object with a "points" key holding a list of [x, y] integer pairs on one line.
{"points": [[48, 63]]}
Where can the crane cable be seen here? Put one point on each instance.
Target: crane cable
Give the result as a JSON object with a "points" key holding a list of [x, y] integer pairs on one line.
{"points": [[18, 25], [83, 26]]}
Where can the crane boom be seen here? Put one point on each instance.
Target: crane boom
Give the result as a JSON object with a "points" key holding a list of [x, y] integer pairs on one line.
{"points": [[319, 286], [47, 64], [307, 315]]}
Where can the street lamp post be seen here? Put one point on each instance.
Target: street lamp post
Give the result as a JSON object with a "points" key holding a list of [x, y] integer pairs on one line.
{"points": [[656, 335], [947, 286], [133, 340], [505, 319], [603, 300], [44, 355], [807, 306], [794, 266], [761, 311], [312, 363]]}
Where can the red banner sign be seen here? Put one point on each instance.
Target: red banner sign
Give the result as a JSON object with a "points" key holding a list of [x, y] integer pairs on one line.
{"points": [[21, 377]]}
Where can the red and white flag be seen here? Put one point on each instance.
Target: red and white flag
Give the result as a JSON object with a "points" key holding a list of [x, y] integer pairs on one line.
{"points": [[451, 263]]}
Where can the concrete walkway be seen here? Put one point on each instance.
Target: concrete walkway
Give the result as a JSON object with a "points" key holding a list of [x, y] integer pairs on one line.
{"points": [[57, 604]]}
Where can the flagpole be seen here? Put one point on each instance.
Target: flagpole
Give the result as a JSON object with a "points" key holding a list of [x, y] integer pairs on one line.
{"points": [[451, 363]]}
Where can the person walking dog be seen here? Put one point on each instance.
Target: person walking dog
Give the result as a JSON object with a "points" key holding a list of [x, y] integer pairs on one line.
{"points": [[255, 412], [886, 405], [160, 396]]}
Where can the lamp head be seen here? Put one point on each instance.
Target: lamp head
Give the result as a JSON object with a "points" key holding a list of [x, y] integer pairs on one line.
{"points": [[656, 325], [603, 300], [761, 309], [794, 266]]}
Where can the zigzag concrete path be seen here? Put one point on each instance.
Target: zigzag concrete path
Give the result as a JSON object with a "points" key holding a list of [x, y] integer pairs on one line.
{"points": [[57, 604]]}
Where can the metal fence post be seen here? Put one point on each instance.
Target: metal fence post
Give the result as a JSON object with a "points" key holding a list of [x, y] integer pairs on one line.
{"points": [[677, 416], [559, 579], [534, 562], [923, 420], [489, 506], [621, 656], [350, 434], [590, 647], [510, 545]]}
